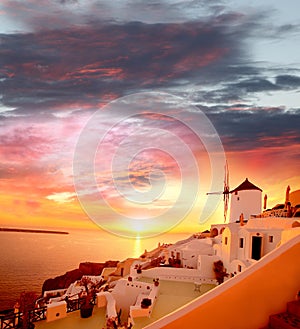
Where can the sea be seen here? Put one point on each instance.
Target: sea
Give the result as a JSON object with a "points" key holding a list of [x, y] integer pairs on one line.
{"points": [[28, 259]]}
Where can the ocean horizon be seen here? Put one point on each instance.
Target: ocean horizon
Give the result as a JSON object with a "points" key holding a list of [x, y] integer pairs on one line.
{"points": [[28, 259]]}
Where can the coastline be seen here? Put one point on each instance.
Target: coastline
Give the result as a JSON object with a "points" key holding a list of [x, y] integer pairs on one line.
{"points": [[27, 260], [23, 230]]}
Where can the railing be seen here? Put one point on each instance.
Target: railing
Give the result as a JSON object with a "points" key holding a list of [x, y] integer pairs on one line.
{"points": [[73, 305], [13, 320], [38, 314]]}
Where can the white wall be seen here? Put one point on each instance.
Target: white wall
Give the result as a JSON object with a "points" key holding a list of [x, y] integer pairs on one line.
{"points": [[189, 258], [193, 249], [229, 251], [125, 292], [268, 245], [206, 265], [176, 274], [248, 202]]}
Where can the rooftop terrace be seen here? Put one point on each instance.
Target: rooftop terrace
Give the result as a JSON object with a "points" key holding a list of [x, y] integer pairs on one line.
{"points": [[172, 295]]}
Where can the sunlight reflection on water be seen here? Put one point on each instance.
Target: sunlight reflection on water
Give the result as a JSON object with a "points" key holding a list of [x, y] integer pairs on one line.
{"points": [[27, 259]]}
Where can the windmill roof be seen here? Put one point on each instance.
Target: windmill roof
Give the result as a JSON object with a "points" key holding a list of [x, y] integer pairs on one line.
{"points": [[246, 185]]}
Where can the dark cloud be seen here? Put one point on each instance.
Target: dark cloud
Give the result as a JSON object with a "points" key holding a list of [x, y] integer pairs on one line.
{"points": [[243, 128], [287, 29], [255, 85], [35, 15], [207, 60], [290, 81], [67, 1], [83, 65]]}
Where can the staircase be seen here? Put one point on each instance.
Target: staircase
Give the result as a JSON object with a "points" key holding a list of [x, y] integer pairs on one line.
{"points": [[286, 320]]}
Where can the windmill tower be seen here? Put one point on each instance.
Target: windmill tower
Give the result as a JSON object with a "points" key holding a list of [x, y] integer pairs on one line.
{"points": [[246, 199]]}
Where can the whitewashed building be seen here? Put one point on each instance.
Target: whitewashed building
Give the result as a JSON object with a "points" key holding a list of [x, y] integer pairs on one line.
{"points": [[249, 235]]}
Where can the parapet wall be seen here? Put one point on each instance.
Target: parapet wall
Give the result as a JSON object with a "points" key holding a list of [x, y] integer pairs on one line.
{"points": [[177, 274], [247, 300]]}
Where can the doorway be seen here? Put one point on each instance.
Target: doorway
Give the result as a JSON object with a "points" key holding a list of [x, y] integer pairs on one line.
{"points": [[256, 247]]}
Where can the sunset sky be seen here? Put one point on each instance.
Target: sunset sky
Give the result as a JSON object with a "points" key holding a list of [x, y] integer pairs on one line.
{"points": [[64, 68]]}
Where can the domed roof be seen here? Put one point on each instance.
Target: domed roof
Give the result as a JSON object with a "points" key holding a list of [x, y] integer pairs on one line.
{"points": [[246, 185]]}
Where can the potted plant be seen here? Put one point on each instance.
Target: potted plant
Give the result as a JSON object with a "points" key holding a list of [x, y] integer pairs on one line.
{"points": [[146, 302], [220, 271], [86, 297], [26, 304], [156, 282], [138, 269]]}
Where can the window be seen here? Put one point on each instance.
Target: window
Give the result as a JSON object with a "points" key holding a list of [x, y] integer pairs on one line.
{"points": [[271, 238], [241, 242], [239, 268], [226, 240]]}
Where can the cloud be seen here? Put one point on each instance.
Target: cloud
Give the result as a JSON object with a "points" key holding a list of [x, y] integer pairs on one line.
{"points": [[35, 15], [67, 71], [84, 65], [63, 60], [289, 81], [255, 85], [62, 197], [23, 144], [242, 128]]}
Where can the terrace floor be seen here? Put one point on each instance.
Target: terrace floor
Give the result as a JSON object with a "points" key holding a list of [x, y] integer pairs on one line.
{"points": [[74, 321], [172, 295]]}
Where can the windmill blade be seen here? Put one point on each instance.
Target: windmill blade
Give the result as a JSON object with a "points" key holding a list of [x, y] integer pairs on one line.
{"points": [[226, 190], [226, 201], [212, 193], [226, 178]]}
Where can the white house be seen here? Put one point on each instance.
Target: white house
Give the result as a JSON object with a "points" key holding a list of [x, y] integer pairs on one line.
{"points": [[247, 238], [242, 245]]}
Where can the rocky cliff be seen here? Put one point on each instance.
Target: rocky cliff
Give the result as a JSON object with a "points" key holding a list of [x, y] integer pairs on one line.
{"points": [[63, 281]]}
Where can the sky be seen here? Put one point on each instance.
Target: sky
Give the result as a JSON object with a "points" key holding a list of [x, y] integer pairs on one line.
{"points": [[123, 113]]}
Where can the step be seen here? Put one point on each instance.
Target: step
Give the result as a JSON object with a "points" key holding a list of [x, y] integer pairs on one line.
{"points": [[294, 308], [284, 321]]}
